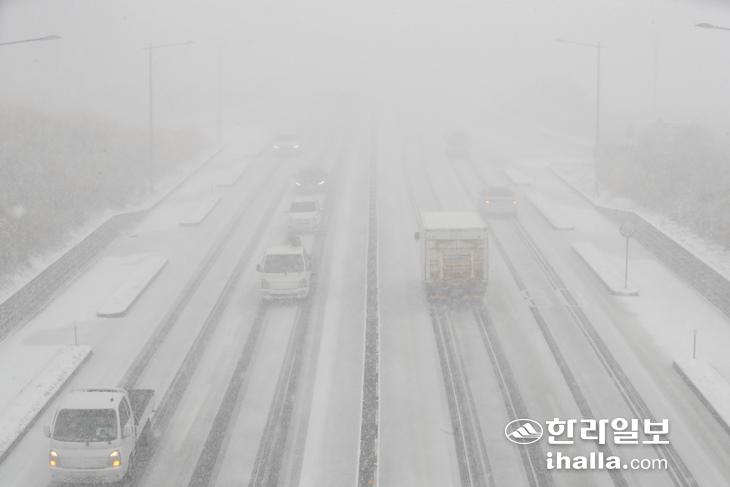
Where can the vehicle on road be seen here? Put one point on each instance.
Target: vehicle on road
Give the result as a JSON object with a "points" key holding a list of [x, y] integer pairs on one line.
{"points": [[457, 145], [311, 180], [95, 434], [286, 144], [285, 271], [304, 214], [499, 201], [455, 255]]}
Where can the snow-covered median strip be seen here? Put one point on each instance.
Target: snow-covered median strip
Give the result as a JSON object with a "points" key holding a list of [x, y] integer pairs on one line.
{"points": [[142, 271], [711, 388], [200, 211], [518, 176], [608, 268], [554, 215], [18, 416]]}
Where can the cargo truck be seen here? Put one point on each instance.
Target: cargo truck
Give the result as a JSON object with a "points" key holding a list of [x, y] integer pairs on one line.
{"points": [[455, 255], [95, 434]]}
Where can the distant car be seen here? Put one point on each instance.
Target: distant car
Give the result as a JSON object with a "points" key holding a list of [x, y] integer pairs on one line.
{"points": [[457, 145], [285, 272], [311, 180], [304, 215], [499, 201], [286, 144]]}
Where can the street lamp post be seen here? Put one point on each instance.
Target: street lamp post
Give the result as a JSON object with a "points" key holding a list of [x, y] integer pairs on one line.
{"points": [[597, 137], [150, 101], [35, 39]]}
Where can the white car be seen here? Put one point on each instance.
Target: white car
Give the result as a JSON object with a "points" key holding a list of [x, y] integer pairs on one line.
{"points": [[285, 271], [304, 214]]}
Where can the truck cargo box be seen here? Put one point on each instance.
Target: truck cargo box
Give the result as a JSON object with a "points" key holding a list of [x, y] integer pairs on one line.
{"points": [[455, 253]]}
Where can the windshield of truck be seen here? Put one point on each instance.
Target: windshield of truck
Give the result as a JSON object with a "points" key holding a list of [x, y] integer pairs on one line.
{"points": [[85, 425], [284, 263], [303, 207]]}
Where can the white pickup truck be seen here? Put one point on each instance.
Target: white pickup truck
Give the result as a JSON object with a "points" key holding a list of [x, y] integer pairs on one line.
{"points": [[95, 434]]}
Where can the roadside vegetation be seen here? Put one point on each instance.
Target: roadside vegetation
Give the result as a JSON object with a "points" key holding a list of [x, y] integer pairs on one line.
{"points": [[682, 171], [57, 173]]}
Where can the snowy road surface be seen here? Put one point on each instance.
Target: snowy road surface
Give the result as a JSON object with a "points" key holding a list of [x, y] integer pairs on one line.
{"points": [[254, 393]]}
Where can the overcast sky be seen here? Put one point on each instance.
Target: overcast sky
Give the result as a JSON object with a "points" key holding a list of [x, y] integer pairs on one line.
{"points": [[454, 55]]}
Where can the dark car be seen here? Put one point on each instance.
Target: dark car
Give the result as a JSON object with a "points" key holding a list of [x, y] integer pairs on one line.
{"points": [[499, 200], [311, 180]]}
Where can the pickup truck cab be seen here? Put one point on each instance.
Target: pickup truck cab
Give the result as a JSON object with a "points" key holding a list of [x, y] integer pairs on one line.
{"points": [[95, 433], [304, 214], [285, 271]]}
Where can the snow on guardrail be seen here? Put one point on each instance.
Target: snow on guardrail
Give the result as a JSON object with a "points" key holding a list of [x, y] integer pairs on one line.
{"points": [[608, 268], [711, 388], [20, 413], [554, 215], [141, 271], [200, 211]]}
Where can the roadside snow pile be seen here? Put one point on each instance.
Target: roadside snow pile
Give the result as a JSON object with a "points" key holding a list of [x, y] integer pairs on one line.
{"points": [[140, 271], [198, 212], [27, 403], [554, 214], [712, 389], [608, 268]]}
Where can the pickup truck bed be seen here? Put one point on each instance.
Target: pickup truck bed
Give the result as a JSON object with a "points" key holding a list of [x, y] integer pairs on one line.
{"points": [[139, 399]]}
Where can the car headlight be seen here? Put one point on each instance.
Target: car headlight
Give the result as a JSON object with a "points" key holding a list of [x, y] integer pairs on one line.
{"points": [[53, 458], [264, 284], [321, 182], [298, 183], [486, 202], [115, 459], [276, 146], [296, 146]]}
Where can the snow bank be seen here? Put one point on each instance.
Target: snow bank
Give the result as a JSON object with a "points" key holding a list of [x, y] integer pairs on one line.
{"points": [[31, 399], [141, 271], [200, 211], [555, 215], [710, 387], [608, 268]]}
